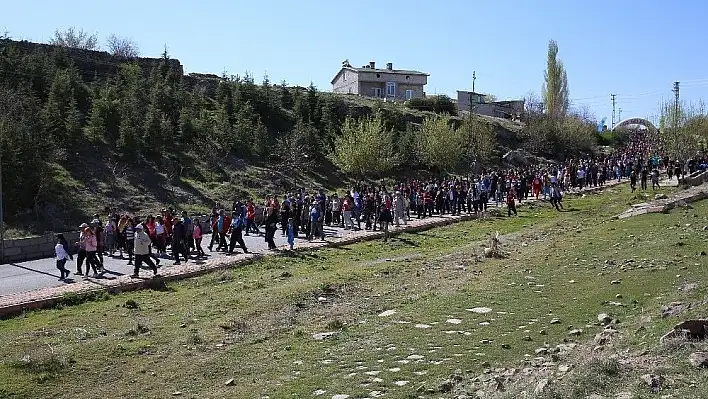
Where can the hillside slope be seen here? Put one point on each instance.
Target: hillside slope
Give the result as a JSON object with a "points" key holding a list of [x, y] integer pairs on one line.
{"points": [[84, 130]]}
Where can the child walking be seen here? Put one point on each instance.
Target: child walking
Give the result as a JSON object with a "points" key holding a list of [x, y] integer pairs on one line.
{"points": [[62, 253], [291, 234], [197, 236]]}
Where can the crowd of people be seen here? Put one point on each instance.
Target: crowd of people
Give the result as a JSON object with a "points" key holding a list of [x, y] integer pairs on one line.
{"points": [[303, 214]]}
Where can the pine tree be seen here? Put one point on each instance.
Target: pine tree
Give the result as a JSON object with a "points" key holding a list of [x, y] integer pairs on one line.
{"points": [[74, 122], [55, 111], [131, 109], [286, 98]]}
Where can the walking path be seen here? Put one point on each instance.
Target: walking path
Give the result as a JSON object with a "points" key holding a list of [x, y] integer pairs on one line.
{"points": [[35, 284]]}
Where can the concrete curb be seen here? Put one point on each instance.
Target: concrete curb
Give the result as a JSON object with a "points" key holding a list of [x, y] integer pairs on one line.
{"points": [[14, 304]]}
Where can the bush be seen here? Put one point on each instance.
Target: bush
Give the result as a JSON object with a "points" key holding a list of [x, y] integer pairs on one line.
{"points": [[439, 104]]}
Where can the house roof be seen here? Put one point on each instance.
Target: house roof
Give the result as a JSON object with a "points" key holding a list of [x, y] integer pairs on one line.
{"points": [[379, 70]]}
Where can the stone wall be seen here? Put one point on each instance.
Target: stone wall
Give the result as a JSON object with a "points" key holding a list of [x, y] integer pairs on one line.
{"points": [[695, 179], [23, 249]]}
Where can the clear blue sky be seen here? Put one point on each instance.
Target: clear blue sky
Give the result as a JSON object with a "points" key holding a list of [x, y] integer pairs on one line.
{"points": [[635, 48]]}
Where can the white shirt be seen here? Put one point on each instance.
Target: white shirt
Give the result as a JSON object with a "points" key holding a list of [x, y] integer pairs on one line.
{"points": [[61, 252]]}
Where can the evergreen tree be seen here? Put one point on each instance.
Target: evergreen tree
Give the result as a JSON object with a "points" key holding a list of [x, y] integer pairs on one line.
{"points": [[55, 111], [131, 109], [74, 122], [286, 98]]}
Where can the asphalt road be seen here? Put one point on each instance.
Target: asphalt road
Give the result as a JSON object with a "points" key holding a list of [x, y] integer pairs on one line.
{"points": [[42, 273]]}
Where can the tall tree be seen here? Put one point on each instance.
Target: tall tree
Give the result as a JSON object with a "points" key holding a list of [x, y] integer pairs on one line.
{"points": [[132, 108], [555, 87], [55, 110]]}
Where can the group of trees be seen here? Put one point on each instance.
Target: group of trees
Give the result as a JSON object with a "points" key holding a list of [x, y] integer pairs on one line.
{"points": [[440, 143], [683, 128], [77, 38]]}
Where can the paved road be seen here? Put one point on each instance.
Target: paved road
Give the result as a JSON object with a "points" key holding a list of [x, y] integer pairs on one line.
{"points": [[42, 273]]}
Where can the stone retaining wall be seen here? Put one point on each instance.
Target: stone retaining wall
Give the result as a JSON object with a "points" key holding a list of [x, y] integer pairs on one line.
{"points": [[695, 179], [22, 249]]}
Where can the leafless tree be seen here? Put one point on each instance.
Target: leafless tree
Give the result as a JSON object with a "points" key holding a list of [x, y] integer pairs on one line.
{"points": [[4, 34], [122, 46], [75, 38], [533, 103]]}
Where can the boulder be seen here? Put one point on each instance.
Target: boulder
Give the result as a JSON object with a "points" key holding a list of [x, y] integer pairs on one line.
{"points": [[604, 336], [689, 329], [672, 309], [698, 359], [604, 318]]}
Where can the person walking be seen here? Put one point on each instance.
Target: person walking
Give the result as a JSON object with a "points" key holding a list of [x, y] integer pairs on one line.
{"points": [[179, 233], [142, 251], [197, 236], [291, 234], [81, 250], [62, 254], [236, 232], [511, 202], [91, 246]]}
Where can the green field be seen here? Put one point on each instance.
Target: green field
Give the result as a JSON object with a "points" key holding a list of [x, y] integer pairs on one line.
{"points": [[400, 318]]}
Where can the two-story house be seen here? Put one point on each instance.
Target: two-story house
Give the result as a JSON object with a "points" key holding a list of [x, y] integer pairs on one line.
{"points": [[389, 83]]}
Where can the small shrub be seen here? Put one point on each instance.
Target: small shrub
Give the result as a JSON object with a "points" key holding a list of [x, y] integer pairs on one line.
{"points": [[335, 324], [194, 338], [226, 276], [130, 304], [43, 367]]}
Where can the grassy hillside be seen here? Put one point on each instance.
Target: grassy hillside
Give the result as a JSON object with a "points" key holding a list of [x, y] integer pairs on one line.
{"points": [[406, 318]]}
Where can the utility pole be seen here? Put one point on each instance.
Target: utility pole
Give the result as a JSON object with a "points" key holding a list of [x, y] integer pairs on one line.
{"points": [[472, 95], [619, 114], [676, 99], [676, 118], [613, 110]]}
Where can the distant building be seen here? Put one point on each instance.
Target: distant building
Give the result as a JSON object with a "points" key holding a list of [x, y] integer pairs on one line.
{"points": [[475, 102], [389, 83]]}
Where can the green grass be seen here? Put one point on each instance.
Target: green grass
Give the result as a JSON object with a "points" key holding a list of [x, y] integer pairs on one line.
{"points": [[255, 324]]}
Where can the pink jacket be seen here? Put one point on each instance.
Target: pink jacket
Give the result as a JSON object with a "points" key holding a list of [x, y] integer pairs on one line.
{"points": [[91, 243], [197, 233]]}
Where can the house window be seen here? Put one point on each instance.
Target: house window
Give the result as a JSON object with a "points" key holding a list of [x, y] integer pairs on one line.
{"points": [[377, 92], [409, 94], [344, 76], [391, 89]]}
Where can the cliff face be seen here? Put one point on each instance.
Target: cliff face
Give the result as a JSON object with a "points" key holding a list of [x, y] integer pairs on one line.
{"points": [[92, 64]]}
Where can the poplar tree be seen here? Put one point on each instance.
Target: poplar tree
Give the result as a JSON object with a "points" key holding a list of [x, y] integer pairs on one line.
{"points": [[555, 87]]}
